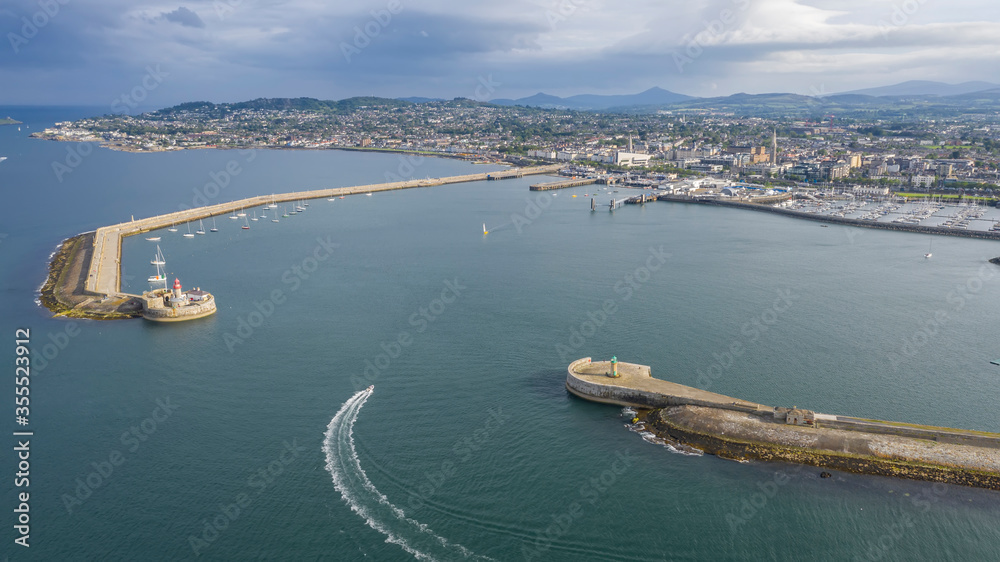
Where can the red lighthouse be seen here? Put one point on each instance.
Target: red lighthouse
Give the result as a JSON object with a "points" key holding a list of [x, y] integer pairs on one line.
{"points": [[177, 288]]}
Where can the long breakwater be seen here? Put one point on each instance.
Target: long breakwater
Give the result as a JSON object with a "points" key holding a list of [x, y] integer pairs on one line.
{"points": [[96, 274]]}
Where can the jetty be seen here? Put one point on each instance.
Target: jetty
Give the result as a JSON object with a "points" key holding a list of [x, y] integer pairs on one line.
{"points": [[96, 256], [766, 207], [561, 184], [739, 429]]}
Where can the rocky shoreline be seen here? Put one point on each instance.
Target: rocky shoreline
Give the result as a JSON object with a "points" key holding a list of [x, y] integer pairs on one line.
{"points": [[63, 292], [743, 436]]}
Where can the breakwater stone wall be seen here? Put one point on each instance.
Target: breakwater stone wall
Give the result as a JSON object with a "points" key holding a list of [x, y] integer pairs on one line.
{"points": [[938, 230], [737, 428]]}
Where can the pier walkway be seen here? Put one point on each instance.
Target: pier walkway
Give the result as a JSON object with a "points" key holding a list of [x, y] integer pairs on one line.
{"points": [[562, 184], [635, 386], [104, 270]]}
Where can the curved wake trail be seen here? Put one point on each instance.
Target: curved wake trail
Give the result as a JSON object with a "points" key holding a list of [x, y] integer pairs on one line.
{"points": [[364, 499]]}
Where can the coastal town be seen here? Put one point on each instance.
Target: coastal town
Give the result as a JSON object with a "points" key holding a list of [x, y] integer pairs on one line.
{"points": [[948, 156]]}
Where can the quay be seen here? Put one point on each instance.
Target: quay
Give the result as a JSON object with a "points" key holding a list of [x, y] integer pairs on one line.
{"points": [[562, 184], [515, 173], [767, 208], [96, 257], [739, 429]]}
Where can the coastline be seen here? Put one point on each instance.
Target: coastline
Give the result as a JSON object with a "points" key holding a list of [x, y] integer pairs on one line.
{"points": [[63, 291], [738, 436], [84, 273], [736, 429], [980, 234], [118, 147]]}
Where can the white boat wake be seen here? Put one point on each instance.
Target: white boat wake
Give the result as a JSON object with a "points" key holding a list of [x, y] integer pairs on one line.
{"points": [[364, 499]]}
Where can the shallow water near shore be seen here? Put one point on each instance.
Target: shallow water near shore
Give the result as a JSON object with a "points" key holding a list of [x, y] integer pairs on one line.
{"points": [[470, 436]]}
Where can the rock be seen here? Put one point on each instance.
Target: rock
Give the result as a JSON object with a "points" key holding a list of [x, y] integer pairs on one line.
{"points": [[825, 474]]}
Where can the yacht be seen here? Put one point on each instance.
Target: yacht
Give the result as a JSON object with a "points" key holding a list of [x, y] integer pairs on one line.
{"points": [[201, 227]]}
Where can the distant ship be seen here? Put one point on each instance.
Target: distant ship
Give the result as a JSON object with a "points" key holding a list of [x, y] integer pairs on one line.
{"points": [[2, 158]]}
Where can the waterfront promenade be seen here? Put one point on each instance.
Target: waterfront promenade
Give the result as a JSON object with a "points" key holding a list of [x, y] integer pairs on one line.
{"points": [[104, 269]]}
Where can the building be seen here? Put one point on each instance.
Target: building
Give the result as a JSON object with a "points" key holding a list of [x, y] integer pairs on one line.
{"points": [[871, 190], [795, 416], [837, 170], [631, 159]]}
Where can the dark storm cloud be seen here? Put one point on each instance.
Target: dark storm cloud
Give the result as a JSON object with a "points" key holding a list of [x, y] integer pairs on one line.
{"points": [[251, 48], [184, 17]]}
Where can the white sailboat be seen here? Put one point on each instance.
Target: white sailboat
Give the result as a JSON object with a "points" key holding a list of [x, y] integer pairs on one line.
{"points": [[214, 227], [929, 254], [254, 215], [159, 262], [153, 238], [263, 212], [157, 258], [241, 213], [246, 226], [201, 227], [172, 228]]}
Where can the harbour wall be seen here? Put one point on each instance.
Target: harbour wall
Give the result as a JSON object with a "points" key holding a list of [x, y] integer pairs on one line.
{"points": [[103, 273], [562, 184], [630, 395], [938, 230], [636, 387]]}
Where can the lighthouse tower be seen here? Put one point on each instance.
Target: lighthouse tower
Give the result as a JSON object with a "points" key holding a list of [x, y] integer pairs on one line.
{"points": [[177, 288]]}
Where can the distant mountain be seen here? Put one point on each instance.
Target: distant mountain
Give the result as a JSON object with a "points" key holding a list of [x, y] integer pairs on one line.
{"points": [[297, 104], [418, 99], [924, 88], [652, 96]]}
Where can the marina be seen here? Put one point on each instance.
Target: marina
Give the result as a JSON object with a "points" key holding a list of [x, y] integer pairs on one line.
{"points": [[102, 271]]}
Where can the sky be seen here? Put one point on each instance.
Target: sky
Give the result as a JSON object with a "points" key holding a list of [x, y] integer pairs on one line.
{"points": [[125, 54]]}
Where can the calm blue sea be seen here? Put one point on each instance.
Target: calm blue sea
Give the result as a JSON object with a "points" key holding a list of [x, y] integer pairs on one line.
{"points": [[244, 435]]}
